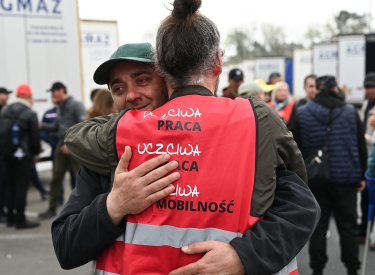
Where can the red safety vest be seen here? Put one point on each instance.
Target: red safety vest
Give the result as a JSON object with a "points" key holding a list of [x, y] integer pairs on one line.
{"points": [[214, 141]]}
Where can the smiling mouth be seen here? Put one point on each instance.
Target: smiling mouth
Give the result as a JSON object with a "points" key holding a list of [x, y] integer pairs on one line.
{"points": [[142, 108]]}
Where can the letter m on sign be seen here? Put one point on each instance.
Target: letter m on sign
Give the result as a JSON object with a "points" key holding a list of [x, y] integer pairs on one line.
{"points": [[24, 4]]}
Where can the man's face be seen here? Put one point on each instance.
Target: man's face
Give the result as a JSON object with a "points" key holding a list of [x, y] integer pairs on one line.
{"points": [[275, 80], [137, 85], [234, 84], [58, 96], [370, 92], [310, 88], [3, 99]]}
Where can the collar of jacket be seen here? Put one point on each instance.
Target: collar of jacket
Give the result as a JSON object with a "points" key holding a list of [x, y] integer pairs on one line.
{"points": [[23, 101], [329, 99], [62, 104], [191, 90]]}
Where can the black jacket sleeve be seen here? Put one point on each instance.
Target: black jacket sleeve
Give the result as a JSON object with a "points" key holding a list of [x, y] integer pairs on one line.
{"points": [[294, 128], [84, 229], [34, 135], [286, 228], [362, 147], [293, 115]]}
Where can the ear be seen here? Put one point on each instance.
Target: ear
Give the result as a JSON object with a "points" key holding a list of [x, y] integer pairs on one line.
{"points": [[218, 66]]}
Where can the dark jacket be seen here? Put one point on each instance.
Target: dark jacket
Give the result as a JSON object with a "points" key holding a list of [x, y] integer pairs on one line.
{"points": [[28, 123], [69, 113], [49, 117], [293, 115], [346, 144], [83, 229]]}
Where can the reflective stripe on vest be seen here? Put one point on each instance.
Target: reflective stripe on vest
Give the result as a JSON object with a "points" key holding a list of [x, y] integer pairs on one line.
{"points": [[290, 269], [214, 141], [144, 234], [102, 272]]}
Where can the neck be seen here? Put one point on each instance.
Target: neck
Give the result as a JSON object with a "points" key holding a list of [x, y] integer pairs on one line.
{"points": [[64, 98], [208, 82], [26, 100]]}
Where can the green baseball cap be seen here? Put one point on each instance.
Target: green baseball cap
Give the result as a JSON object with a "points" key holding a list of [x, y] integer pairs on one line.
{"points": [[248, 89], [141, 52]]}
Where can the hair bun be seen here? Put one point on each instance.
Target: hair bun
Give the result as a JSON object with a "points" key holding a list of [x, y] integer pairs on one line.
{"points": [[184, 8]]}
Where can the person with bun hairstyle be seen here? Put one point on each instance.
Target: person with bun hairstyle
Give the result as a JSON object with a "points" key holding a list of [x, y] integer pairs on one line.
{"points": [[209, 219]]}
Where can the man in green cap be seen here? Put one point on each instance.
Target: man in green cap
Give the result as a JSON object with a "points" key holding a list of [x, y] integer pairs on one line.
{"points": [[251, 88], [132, 79]]}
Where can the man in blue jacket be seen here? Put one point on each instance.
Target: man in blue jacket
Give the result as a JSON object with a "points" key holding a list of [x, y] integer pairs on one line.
{"points": [[327, 116]]}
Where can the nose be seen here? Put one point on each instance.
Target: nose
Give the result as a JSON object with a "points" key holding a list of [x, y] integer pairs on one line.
{"points": [[133, 95]]}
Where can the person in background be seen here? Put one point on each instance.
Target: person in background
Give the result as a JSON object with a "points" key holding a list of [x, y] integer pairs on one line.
{"points": [[274, 78], [267, 88], [4, 96], [69, 113], [282, 100], [367, 115], [93, 93], [49, 117], [371, 174], [309, 85], [347, 157], [235, 79], [102, 104], [23, 125], [38, 183], [251, 88]]}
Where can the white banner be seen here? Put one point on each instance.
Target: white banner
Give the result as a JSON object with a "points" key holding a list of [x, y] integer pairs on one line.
{"points": [[264, 66], [352, 66], [325, 59], [302, 67], [248, 68], [99, 41], [40, 45]]}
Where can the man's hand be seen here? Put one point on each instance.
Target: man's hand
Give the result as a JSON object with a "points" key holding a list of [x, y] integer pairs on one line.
{"points": [[64, 150], [134, 191], [362, 186], [220, 258]]}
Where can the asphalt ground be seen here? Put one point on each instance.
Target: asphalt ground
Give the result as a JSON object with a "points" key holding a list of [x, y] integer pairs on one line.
{"points": [[30, 251]]}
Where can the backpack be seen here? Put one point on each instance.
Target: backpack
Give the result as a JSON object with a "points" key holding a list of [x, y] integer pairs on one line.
{"points": [[10, 133]]}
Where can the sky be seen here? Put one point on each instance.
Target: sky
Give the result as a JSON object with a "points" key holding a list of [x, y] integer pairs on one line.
{"points": [[138, 20]]}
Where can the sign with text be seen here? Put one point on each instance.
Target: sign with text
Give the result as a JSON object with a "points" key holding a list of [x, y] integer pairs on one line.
{"points": [[325, 59], [351, 74], [302, 59], [264, 66], [40, 45], [99, 40]]}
